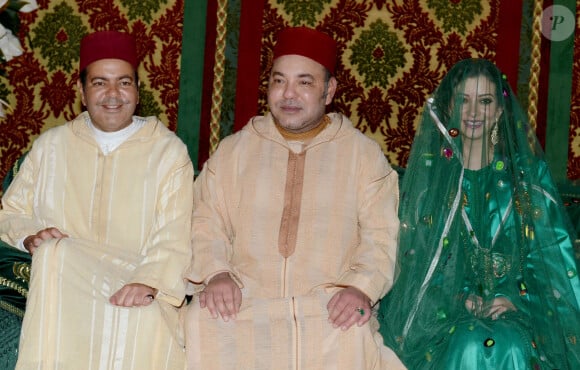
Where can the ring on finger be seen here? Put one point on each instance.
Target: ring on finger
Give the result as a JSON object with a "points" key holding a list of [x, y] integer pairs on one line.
{"points": [[360, 310]]}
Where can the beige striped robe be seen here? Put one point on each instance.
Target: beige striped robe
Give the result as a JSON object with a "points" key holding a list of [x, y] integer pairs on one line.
{"points": [[292, 227], [128, 217]]}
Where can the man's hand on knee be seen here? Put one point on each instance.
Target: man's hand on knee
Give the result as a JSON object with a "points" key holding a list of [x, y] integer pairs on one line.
{"points": [[31, 242], [347, 307], [134, 295], [222, 297]]}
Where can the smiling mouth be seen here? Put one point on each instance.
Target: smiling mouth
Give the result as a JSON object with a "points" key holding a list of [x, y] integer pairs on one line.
{"points": [[112, 107], [473, 124]]}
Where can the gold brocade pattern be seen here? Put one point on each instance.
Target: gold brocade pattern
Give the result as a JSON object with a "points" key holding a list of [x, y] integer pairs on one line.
{"points": [[12, 309], [14, 286], [22, 271]]}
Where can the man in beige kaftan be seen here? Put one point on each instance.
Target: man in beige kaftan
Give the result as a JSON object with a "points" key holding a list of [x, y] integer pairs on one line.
{"points": [[103, 203], [294, 232]]}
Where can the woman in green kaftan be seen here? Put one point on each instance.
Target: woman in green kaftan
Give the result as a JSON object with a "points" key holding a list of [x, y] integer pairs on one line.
{"points": [[487, 277]]}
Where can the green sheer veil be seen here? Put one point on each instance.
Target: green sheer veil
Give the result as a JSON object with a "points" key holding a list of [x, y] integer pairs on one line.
{"points": [[481, 219]]}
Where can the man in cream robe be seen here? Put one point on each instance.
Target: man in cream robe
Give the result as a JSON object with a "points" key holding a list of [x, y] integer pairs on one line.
{"points": [[103, 203], [294, 232]]}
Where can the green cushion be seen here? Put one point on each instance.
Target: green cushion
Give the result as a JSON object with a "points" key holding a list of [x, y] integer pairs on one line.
{"points": [[14, 278], [9, 339]]}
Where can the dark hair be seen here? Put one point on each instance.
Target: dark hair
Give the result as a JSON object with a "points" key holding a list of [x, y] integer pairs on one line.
{"points": [[463, 70]]}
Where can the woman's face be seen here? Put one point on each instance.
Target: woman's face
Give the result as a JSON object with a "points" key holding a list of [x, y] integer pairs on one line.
{"points": [[478, 107]]}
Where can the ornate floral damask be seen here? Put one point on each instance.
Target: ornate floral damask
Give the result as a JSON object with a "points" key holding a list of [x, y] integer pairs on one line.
{"points": [[455, 14], [392, 55], [142, 9], [303, 11], [369, 53], [40, 85], [57, 42]]}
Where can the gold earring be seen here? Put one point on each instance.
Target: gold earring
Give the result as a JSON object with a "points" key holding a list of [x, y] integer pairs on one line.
{"points": [[494, 137]]}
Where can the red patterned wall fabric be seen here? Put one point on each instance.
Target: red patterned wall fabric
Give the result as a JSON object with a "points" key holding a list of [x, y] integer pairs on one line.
{"points": [[40, 85], [393, 53]]}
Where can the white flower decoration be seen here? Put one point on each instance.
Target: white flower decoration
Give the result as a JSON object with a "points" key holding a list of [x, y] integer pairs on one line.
{"points": [[30, 6], [9, 44]]}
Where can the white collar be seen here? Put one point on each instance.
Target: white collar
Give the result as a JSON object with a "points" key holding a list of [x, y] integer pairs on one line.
{"points": [[109, 141]]}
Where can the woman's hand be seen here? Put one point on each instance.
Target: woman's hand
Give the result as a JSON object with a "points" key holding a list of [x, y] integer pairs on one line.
{"points": [[498, 306]]}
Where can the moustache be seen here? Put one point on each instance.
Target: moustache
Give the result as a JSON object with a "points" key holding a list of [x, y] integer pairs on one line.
{"points": [[113, 101], [289, 104]]}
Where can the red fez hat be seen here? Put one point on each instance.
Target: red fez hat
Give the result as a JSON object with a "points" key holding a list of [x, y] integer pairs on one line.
{"points": [[108, 45], [309, 43]]}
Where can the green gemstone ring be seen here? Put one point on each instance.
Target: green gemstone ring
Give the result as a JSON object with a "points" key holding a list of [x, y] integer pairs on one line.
{"points": [[360, 310]]}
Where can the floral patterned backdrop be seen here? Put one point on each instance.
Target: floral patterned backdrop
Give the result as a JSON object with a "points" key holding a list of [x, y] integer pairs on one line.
{"points": [[40, 84], [393, 54]]}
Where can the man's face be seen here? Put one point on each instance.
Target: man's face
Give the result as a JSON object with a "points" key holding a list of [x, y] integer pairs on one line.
{"points": [[298, 92], [110, 94]]}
